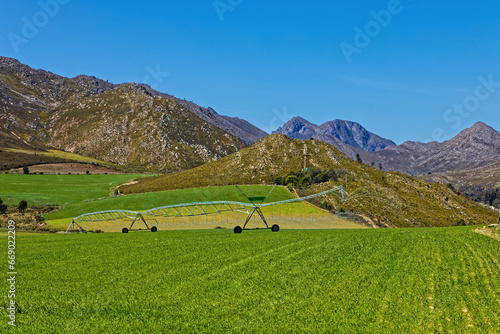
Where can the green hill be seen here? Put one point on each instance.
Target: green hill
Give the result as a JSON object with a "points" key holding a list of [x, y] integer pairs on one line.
{"points": [[384, 198]]}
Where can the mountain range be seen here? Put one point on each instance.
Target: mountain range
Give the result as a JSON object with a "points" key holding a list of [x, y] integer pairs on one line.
{"points": [[134, 126], [470, 161], [474, 147], [345, 135], [128, 124]]}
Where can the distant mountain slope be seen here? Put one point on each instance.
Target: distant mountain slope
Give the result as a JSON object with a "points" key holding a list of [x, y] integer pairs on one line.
{"points": [[127, 126], [474, 147], [354, 134], [481, 184], [26, 95], [86, 115], [337, 133], [388, 198], [241, 129], [252, 133], [480, 178]]}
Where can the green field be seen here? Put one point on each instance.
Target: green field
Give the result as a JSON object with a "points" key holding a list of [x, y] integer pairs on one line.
{"points": [[161, 198], [77, 192], [429, 280], [58, 189]]}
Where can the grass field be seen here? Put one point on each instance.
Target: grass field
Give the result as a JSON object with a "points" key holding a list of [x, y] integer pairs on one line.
{"points": [[429, 280], [58, 189], [75, 191], [146, 201], [162, 198]]}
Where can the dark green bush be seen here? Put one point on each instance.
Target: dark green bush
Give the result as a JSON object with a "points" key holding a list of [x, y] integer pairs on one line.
{"points": [[305, 179]]}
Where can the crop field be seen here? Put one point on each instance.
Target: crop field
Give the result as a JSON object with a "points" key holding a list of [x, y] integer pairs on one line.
{"points": [[430, 280], [161, 198], [58, 189], [290, 214], [82, 194]]}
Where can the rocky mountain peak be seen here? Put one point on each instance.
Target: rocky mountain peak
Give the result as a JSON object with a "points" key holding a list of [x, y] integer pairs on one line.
{"points": [[352, 133], [337, 132], [298, 128], [474, 147], [478, 132]]}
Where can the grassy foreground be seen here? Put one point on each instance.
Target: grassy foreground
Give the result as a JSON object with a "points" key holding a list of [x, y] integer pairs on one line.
{"points": [[366, 281]]}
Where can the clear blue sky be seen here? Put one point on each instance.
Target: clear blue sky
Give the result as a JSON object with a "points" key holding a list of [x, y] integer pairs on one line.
{"points": [[266, 61]]}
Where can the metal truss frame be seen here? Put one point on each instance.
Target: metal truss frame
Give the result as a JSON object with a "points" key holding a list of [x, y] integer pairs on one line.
{"points": [[189, 210]]}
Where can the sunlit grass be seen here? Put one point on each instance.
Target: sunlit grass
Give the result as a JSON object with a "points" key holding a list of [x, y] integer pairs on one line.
{"points": [[339, 281]]}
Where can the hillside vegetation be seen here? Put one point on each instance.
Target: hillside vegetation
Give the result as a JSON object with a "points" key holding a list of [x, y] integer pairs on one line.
{"points": [[12, 158], [127, 126], [481, 184], [386, 198]]}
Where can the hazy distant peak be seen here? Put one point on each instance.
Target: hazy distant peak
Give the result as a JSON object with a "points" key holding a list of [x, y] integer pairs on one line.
{"points": [[298, 128], [348, 132]]}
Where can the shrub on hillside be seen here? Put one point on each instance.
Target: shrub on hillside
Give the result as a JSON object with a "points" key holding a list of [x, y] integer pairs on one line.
{"points": [[461, 222], [304, 179], [3, 207], [496, 203], [22, 206]]}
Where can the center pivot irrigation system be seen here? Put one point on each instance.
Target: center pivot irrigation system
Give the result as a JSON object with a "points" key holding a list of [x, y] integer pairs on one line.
{"points": [[184, 210]]}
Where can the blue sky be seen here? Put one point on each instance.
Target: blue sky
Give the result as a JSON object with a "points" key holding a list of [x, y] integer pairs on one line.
{"points": [[406, 70]]}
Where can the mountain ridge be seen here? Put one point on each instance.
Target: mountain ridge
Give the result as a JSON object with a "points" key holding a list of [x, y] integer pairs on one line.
{"points": [[35, 105], [335, 132], [473, 147]]}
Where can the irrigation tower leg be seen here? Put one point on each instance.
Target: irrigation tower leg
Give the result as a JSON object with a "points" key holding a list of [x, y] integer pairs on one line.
{"points": [[250, 214]]}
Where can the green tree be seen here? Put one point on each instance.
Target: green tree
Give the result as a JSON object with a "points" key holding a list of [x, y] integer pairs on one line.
{"points": [[22, 206], [292, 179], [3, 207], [358, 158], [26, 170]]}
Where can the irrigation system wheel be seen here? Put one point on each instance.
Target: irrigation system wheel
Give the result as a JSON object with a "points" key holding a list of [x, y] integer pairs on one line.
{"points": [[125, 230], [238, 229], [275, 228], [153, 229]]}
